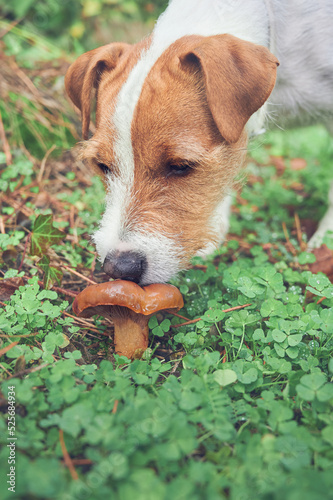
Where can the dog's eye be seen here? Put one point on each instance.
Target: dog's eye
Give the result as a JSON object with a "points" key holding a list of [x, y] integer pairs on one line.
{"points": [[104, 168], [180, 169]]}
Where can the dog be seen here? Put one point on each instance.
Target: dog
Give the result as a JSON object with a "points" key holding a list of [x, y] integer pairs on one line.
{"points": [[174, 113]]}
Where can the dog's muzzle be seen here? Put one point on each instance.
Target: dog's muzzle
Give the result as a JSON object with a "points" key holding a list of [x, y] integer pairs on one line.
{"points": [[125, 265]]}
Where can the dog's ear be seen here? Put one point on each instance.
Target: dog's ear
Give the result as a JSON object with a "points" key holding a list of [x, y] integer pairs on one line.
{"points": [[85, 73], [238, 77]]}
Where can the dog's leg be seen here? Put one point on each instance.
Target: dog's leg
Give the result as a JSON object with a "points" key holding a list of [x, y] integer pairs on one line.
{"points": [[326, 224]]}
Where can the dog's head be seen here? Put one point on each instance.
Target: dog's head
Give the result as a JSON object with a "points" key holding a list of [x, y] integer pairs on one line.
{"points": [[169, 140]]}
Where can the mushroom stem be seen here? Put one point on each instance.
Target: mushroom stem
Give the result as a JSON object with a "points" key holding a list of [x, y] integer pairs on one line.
{"points": [[129, 307], [130, 334]]}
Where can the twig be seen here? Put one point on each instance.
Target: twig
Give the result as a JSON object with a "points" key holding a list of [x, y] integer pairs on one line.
{"points": [[56, 289], [2, 225], [67, 458], [235, 308], [85, 249], [17, 206], [192, 321], [24, 78], [28, 370], [175, 366], [6, 335], [115, 406], [15, 213], [85, 323], [302, 243], [43, 164], [10, 26], [177, 315], [291, 246], [27, 187], [79, 274], [7, 348], [64, 291], [5, 369], [80, 461]]}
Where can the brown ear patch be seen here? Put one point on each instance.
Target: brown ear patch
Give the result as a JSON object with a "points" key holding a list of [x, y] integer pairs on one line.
{"points": [[239, 77], [85, 73]]}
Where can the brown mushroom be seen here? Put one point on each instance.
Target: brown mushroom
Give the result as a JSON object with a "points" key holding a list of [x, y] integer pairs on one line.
{"points": [[129, 306]]}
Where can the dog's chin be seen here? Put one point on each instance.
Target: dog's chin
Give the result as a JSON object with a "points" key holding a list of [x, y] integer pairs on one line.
{"points": [[149, 281], [158, 274]]}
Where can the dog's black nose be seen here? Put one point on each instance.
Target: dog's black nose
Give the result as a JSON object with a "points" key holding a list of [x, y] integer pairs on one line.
{"points": [[125, 265]]}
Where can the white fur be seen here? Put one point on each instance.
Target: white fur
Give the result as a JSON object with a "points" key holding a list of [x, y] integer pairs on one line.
{"points": [[303, 44], [219, 223], [246, 20], [112, 225]]}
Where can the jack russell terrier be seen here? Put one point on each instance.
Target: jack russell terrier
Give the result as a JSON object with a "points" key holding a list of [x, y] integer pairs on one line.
{"points": [[173, 117]]}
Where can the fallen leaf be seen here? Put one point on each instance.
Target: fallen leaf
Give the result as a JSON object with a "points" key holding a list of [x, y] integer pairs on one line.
{"points": [[44, 234], [8, 287], [324, 261], [20, 364], [298, 163], [297, 186], [279, 163], [10, 255]]}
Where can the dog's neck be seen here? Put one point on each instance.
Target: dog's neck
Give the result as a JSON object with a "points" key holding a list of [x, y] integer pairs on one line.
{"points": [[246, 20]]}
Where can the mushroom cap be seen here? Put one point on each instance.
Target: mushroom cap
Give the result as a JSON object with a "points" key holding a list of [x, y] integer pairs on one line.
{"points": [[145, 300]]}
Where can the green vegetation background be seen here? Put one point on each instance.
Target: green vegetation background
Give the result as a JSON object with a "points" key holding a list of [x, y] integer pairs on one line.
{"points": [[236, 405]]}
